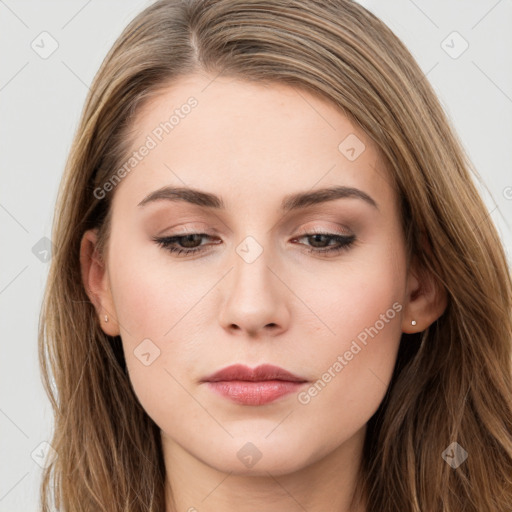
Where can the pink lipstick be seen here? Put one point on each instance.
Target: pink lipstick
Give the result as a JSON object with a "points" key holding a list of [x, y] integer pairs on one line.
{"points": [[257, 386]]}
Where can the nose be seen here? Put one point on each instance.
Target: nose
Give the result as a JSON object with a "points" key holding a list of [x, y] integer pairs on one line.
{"points": [[254, 298]]}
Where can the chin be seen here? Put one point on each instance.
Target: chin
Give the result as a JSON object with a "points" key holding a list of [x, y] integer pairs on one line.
{"points": [[260, 456]]}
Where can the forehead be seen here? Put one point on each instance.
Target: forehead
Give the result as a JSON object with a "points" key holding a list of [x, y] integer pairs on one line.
{"points": [[249, 141]]}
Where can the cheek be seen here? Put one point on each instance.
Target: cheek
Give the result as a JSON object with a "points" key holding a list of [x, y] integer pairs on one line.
{"points": [[153, 296], [353, 379], [158, 305], [354, 293], [354, 363]]}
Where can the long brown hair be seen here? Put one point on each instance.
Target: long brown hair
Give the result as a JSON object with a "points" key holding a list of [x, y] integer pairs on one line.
{"points": [[452, 382]]}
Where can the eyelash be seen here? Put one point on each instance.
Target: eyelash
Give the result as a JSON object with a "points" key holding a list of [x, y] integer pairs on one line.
{"points": [[346, 242]]}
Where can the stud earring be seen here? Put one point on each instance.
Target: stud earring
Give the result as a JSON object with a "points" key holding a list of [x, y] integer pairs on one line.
{"points": [[106, 318], [413, 322]]}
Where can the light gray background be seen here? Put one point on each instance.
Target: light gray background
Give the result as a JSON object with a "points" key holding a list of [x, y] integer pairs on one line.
{"points": [[40, 103]]}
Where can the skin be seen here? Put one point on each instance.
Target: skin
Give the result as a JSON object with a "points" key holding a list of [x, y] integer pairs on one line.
{"points": [[253, 145]]}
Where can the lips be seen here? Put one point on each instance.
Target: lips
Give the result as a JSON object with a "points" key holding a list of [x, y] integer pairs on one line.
{"points": [[253, 386], [260, 373]]}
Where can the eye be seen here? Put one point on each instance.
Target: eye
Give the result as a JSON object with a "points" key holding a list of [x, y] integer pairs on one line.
{"points": [[190, 243], [322, 242]]}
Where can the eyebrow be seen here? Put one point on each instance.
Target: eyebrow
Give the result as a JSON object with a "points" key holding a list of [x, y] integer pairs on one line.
{"points": [[291, 202]]}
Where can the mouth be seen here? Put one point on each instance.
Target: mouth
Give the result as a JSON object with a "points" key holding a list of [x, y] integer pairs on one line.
{"points": [[258, 386]]}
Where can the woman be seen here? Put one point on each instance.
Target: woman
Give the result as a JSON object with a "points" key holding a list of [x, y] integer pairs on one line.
{"points": [[276, 287]]}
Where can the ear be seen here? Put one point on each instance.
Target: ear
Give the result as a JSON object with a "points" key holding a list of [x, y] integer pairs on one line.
{"points": [[425, 300], [96, 282]]}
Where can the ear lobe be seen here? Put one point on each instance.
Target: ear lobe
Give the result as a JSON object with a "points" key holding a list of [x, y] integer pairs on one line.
{"points": [[426, 301], [96, 281]]}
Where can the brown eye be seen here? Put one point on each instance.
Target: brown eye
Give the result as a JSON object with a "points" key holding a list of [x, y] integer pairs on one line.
{"points": [[182, 244], [322, 242]]}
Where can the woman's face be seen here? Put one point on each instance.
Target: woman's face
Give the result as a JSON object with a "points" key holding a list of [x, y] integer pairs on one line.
{"points": [[261, 288]]}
